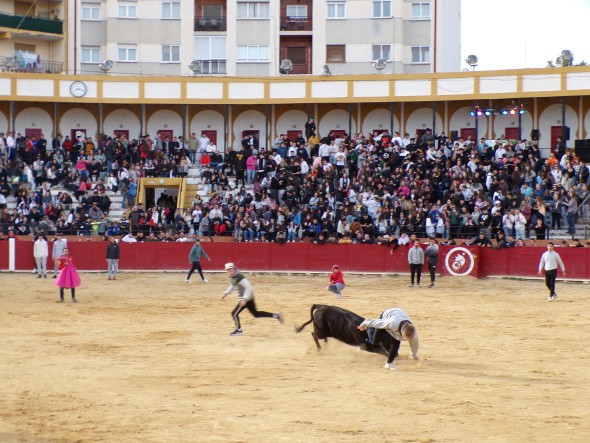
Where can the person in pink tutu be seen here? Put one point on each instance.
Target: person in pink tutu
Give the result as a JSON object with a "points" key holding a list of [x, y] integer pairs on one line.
{"points": [[68, 276]]}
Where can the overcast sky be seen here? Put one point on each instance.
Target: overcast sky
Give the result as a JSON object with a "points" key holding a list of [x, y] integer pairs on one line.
{"points": [[506, 34]]}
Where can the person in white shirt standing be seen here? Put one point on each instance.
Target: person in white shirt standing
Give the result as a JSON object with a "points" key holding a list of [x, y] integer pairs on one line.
{"points": [[549, 262], [41, 252]]}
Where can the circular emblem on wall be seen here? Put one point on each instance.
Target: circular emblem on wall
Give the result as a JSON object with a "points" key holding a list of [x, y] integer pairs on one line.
{"points": [[459, 261]]}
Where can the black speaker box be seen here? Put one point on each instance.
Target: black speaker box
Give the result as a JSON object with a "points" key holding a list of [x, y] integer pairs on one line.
{"points": [[583, 153], [454, 135], [535, 134], [581, 144]]}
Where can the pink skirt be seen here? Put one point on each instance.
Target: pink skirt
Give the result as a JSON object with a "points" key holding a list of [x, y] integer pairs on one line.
{"points": [[68, 277]]}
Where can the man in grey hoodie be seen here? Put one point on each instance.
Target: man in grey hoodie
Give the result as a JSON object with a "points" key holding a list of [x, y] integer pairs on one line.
{"points": [[399, 325]]}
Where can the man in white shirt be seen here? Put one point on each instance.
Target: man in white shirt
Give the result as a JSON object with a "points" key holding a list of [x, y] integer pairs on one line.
{"points": [[549, 262], [203, 142], [129, 238]]}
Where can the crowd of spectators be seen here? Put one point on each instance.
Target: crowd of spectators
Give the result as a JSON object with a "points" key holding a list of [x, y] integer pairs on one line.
{"points": [[378, 187]]}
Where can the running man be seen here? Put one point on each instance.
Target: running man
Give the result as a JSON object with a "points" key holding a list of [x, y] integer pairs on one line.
{"points": [[246, 298], [549, 262]]}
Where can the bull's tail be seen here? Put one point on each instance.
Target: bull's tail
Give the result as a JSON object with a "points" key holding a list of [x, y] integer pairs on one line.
{"points": [[300, 328]]}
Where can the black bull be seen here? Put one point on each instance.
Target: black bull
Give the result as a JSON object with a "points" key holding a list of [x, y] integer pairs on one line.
{"points": [[332, 321]]}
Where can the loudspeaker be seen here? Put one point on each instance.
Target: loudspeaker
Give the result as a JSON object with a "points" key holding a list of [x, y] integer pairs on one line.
{"points": [[535, 134], [567, 133], [454, 135], [583, 153], [581, 144]]}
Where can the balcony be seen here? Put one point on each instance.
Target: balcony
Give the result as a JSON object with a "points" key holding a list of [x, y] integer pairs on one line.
{"points": [[210, 24], [41, 23], [292, 23], [212, 67], [29, 62]]}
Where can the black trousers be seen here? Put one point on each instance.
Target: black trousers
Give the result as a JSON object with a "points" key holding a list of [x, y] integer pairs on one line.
{"points": [[196, 266], [432, 269], [550, 277], [416, 271], [250, 306]]}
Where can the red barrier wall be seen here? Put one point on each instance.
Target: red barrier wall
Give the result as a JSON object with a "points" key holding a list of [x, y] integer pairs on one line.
{"points": [[307, 257]]}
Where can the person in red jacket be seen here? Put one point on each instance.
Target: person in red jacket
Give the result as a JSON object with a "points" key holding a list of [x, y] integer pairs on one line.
{"points": [[337, 284]]}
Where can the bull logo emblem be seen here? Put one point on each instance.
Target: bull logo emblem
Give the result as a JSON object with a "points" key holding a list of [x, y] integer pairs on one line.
{"points": [[459, 261]]}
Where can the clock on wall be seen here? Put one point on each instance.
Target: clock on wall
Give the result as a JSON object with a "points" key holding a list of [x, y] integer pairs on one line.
{"points": [[78, 89]]}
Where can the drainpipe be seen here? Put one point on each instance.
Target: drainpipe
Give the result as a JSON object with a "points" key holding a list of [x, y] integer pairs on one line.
{"points": [[434, 40], [75, 37]]}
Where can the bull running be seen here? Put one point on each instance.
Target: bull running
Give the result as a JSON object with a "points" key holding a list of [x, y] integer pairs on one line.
{"points": [[341, 324]]}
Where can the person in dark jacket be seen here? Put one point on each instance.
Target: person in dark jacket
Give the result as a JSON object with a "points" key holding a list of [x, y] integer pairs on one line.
{"points": [[431, 253], [113, 255], [194, 257]]}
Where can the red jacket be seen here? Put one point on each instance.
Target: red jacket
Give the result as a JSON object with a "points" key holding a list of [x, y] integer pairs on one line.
{"points": [[337, 277]]}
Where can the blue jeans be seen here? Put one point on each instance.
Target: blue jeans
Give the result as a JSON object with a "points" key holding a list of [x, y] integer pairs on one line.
{"points": [[292, 236], [248, 235], [250, 176], [570, 223], [336, 288], [520, 234]]}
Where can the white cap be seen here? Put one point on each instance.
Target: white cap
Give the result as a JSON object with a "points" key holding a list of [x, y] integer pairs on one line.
{"points": [[229, 266]]}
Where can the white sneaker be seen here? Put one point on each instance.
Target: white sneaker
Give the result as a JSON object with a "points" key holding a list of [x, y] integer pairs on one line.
{"points": [[187, 281], [391, 366], [205, 280]]}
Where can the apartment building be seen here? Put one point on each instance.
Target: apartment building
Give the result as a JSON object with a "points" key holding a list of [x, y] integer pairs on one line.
{"points": [[233, 38], [32, 36]]}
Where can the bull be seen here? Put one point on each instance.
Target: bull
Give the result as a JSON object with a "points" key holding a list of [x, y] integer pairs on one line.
{"points": [[341, 324]]}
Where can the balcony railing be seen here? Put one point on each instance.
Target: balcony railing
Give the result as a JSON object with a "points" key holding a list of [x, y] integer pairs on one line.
{"points": [[212, 67], [39, 24], [208, 24], [296, 23], [20, 64]]}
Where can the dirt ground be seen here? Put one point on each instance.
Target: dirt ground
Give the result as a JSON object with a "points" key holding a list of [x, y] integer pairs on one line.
{"points": [[148, 358]]}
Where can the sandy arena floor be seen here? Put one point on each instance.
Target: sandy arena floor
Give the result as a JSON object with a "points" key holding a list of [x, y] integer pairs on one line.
{"points": [[148, 358]]}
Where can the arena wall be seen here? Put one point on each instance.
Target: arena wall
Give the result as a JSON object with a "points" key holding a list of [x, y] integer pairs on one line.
{"points": [[307, 257]]}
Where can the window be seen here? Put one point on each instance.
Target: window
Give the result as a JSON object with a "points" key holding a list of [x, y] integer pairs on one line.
{"points": [[210, 48], [170, 10], [253, 53], [212, 11], [336, 53], [336, 10], [382, 51], [170, 53], [381, 8], [127, 53], [420, 54], [127, 10], [253, 10], [90, 11], [297, 11], [421, 11], [90, 54], [211, 52]]}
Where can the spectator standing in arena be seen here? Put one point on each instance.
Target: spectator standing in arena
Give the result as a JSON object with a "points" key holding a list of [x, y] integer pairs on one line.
{"points": [[549, 262], [416, 261], [399, 325], [431, 253], [113, 255], [194, 258], [41, 252], [68, 276], [246, 298], [337, 284], [59, 244]]}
